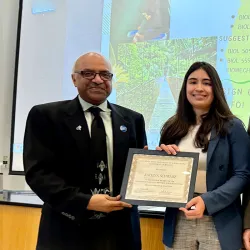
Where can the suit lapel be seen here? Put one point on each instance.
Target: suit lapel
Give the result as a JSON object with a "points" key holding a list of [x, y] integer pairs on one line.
{"points": [[77, 124], [212, 145], [121, 131]]}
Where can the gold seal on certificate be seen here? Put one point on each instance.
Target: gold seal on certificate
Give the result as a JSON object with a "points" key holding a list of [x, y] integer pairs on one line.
{"points": [[154, 178]]}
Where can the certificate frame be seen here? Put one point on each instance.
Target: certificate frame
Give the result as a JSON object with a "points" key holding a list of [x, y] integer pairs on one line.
{"points": [[158, 203]]}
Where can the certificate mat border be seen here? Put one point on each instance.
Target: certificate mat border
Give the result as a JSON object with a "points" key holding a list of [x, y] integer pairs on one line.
{"points": [[134, 151]]}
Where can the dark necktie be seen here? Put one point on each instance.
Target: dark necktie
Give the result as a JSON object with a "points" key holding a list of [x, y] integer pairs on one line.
{"points": [[99, 154]]}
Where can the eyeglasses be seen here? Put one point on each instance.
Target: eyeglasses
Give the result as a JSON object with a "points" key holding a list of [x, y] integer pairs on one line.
{"points": [[90, 75]]}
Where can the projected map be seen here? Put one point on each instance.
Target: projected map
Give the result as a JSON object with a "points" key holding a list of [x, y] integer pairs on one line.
{"points": [[152, 43]]}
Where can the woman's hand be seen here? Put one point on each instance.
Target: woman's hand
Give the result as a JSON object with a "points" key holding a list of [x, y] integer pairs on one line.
{"points": [[171, 149], [194, 208]]}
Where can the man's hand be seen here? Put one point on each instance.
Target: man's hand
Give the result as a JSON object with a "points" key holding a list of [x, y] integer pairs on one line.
{"points": [[105, 203], [198, 208], [246, 239]]}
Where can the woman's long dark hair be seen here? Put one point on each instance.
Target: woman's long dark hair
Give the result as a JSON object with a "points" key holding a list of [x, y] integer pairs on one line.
{"points": [[219, 114]]}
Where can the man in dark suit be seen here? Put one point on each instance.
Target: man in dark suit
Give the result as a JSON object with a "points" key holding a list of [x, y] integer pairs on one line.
{"points": [[246, 206], [74, 159]]}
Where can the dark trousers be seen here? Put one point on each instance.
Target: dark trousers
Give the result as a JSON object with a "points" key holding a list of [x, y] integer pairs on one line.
{"points": [[104, 234]]}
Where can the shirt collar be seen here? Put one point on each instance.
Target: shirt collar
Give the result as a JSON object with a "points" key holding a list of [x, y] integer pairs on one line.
{"points": [[86, 105]]}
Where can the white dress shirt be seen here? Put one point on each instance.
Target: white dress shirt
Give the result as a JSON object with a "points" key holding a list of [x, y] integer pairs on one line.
{"points": [[107, 121], [187, 145]]}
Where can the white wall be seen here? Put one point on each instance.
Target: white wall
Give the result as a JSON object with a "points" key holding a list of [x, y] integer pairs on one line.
{"points": [[1, 83], [8, 33]]}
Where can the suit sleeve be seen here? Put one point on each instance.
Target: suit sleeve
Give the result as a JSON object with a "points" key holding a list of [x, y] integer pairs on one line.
{"points": [[141, 133], [224, 195], [39, 159], [246, 207], [246, 204]]}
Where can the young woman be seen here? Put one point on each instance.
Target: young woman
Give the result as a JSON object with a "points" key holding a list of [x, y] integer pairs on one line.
{"points": [[204, 123]]}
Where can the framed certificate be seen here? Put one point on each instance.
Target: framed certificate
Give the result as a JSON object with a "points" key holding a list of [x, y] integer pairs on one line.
{"points": [[154, 178]]}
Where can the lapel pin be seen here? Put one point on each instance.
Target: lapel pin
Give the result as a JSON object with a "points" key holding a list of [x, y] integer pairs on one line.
{"points": [[79, 128], [123, 128]]}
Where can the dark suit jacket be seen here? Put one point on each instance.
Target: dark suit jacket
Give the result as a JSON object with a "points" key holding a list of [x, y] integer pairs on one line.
{"points": [[246, 204], [228, 173], [57, 168]]}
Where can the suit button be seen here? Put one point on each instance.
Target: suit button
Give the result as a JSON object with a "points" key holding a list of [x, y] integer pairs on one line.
{"points": [[221, 167]]}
